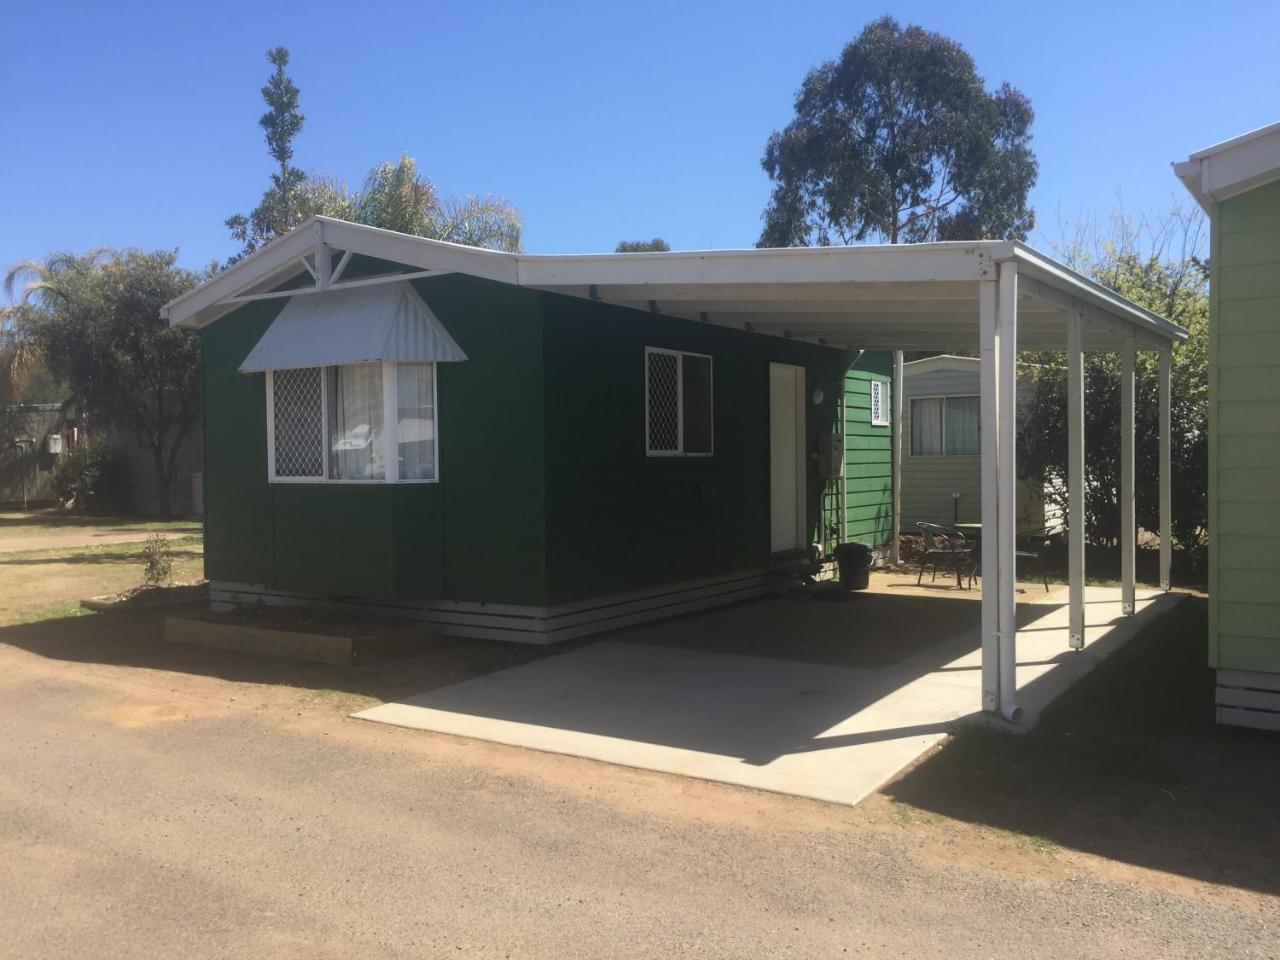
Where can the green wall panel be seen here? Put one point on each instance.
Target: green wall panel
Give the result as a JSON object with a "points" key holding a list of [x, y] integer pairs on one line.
{"points": [[619, 520], [239, 520], [1244, 436], [478, 534], [868, 468]]}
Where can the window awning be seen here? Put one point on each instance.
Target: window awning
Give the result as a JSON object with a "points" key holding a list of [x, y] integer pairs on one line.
{"points": [[386, 321]]}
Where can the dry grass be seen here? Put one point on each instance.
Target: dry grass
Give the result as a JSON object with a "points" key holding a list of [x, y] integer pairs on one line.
{"points": [[43, 584]]}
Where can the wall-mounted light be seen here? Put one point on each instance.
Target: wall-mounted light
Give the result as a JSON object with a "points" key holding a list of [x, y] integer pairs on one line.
{"points": [[818, 396]]}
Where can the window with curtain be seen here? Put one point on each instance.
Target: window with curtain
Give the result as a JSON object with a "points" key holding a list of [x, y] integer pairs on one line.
{"points": [[330, 424], [926, 427], [355, 422], [945, 426], [962, 426], [416, 420]]}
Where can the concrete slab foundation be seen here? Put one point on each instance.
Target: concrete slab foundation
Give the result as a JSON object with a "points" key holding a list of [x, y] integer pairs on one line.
{"points": [[811, 729]]}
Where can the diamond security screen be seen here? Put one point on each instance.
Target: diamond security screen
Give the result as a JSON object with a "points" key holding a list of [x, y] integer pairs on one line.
{"points": [[298, 417], [663, 373], [879, 413]]}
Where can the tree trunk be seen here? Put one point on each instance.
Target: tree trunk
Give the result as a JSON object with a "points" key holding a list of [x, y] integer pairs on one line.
{"points": [[163, 480]]}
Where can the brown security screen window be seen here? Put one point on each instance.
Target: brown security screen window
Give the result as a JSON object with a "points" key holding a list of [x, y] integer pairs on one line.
{"points": [[679, 391]]}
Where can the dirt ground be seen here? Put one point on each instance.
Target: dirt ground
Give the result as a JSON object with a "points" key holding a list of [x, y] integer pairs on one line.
{"points": [[161, 800]]}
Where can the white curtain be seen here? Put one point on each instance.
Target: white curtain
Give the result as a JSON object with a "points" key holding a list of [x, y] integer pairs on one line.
{"points": [[355, 422], [926, 427], [416, 420]]}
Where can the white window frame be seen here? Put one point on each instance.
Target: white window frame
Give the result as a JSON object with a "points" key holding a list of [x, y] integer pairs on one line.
{"points": [[944, 397], [390, 441], [680, 355], [879, 399]]}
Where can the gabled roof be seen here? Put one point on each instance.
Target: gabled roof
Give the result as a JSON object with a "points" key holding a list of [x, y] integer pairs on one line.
{"points": [[909, 296], [943, 361], [1232, 167]]}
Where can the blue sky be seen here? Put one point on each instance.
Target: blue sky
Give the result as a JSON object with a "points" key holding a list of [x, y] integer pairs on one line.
{"points": [[134, 124]]}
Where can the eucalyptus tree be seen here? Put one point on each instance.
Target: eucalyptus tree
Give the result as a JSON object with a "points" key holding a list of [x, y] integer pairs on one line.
{"points": [[898, 140], [656, 245]]}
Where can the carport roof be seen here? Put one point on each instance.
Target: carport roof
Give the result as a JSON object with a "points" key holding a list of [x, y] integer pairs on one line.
{"points": [[909, 296]]}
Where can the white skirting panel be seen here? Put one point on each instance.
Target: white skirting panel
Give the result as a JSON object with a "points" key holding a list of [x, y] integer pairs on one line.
{"points": [[526, 624], [1248, 699]]}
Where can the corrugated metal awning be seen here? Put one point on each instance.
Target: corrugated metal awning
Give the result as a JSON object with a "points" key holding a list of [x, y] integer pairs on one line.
{"points": [[387, 321]]}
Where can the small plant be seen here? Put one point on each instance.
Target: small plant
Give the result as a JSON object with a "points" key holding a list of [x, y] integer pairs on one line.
{"points": [[157, 561]]}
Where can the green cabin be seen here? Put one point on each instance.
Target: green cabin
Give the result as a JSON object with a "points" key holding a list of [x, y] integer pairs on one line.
{"points": [[1238, 184], [395, 422]]}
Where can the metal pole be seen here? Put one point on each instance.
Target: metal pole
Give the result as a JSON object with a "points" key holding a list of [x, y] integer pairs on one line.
{"points": [[1166, 467], [896, 387], [1128, 524], [1075, 478], [989, 409], [1007, 359]]}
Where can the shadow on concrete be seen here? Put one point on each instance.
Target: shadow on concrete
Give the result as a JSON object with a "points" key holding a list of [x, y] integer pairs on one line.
{"points": [[754, 682], [1129, 764]]}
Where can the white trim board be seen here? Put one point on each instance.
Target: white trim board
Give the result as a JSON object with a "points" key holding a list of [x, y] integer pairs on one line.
{"points": [[524, 624], [1232, 167]]}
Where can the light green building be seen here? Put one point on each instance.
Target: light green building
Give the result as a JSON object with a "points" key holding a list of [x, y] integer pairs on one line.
{"points": [[1238, 184]]}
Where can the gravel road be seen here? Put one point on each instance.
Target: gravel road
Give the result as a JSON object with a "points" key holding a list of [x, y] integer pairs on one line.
{"points": [[150, 813]]}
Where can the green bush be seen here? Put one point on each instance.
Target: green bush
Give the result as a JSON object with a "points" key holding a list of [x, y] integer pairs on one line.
{"points": [[90, 478], [157, 560]]}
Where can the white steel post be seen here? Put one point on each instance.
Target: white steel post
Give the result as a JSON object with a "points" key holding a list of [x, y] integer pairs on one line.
{"points": [[1166, 467], [1128, 523], [1006, 361], [896, 415], [1075, 478], [988, 351]]}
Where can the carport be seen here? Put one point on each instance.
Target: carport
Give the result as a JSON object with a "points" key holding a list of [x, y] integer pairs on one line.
{"points": [[991, 297]]}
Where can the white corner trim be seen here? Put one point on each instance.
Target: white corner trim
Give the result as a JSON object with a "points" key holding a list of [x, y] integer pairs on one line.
{"points": [[1233, 167]]}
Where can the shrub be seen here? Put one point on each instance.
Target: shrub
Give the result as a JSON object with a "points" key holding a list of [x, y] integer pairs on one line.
{"points": [[89, 478], [157, 561]]}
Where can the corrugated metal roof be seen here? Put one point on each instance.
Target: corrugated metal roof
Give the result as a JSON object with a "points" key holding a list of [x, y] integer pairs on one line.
{"points": [[387, 321]]}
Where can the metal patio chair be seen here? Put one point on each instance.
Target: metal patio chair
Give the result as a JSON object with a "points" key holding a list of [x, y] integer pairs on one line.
{"points": [[944, 547], [1028, 546], [1031, 546]]}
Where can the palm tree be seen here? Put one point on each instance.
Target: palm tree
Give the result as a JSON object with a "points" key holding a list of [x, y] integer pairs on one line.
{"points": [[397, 196], [39, 284]]}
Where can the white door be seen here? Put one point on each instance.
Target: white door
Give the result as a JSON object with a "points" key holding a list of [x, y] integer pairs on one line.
{"points": [[786, 458]]}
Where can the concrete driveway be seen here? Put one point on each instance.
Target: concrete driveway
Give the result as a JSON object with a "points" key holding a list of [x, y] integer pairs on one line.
{"points": [[820, 700]]}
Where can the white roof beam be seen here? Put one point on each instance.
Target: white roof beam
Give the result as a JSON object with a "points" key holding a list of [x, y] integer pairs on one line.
{"points": [[758, 290], [928, 263]]}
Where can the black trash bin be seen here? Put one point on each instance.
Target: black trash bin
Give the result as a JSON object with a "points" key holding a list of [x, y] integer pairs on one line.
{"points": [[854, 563]]}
